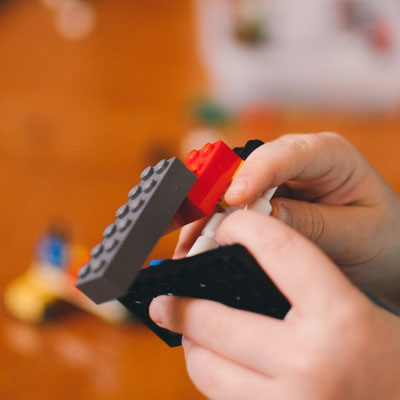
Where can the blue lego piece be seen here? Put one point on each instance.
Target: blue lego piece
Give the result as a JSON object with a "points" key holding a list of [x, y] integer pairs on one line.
{"points": [[53, 250], [154, 263]]}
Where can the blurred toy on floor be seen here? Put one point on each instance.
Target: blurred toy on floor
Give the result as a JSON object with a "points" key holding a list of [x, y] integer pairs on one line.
{"points": [[210, 121], [39, 293]]}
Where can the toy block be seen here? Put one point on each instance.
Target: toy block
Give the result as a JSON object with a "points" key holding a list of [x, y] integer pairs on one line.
{"points": [[214, 166], [53, 247], [262, 204], [206, 240], [243, 153], [229, 275], [140, 223]]}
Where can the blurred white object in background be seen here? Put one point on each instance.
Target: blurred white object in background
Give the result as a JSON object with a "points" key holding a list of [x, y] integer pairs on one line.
{"points": [[52, 4], [74, 19], [342, 54]]}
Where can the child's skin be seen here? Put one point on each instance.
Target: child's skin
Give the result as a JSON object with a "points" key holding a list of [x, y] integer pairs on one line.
{"points": [[336, 199], [334, 343]]}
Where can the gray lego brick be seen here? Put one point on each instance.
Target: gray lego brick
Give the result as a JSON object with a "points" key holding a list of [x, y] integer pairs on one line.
{"points": [[140, 223]]}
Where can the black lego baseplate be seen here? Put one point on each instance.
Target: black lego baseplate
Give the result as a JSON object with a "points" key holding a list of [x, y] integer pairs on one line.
{"points": [[229, 275]]}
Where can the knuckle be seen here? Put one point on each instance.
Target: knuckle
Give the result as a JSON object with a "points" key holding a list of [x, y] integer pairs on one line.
{"points": [[309, 142], [352, 316], [314, 223], [307, 365], [315, 365], [332, 138], [300, 142], [304, 142], [351, 322], [330, 352]]}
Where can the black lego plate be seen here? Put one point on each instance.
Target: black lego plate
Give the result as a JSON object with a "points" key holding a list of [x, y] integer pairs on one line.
{"points": [[229, 275]]}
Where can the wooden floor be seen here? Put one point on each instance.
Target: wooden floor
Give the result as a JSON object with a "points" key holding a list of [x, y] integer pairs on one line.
{"points": [[78, 121]]}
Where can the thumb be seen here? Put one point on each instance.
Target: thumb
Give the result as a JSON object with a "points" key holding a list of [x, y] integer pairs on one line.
{"points": [[292, 262], [337, 230], [309, 219]]}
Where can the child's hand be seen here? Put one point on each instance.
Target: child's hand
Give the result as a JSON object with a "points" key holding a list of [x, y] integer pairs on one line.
{"points": [[336, 199], [333, 344]]}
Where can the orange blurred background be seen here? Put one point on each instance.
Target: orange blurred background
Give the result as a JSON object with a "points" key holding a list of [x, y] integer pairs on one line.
{"points": [[79, 120]]}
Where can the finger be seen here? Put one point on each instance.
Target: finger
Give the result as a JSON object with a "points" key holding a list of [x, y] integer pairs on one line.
{"points": [[254, 340], [220, 379], [188, 236], [303, 273], [326, 159], [341, 231]]}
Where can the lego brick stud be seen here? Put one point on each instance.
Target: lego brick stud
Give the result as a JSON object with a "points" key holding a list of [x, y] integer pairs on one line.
{"points": [[140, 223]]}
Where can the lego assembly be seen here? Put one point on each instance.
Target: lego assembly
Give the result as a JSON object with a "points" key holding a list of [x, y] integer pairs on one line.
{"points": [[171, 195]]}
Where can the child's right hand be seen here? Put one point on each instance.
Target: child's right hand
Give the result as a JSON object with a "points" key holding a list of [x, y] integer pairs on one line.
{"points": [[334, 197]]}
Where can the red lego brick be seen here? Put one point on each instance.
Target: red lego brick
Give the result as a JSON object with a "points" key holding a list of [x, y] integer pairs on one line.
{"points": [[214, 165]]}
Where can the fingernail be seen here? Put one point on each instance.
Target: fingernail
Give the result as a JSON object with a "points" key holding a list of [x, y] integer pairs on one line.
{"points": [[157, 311], [237, 187]]}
